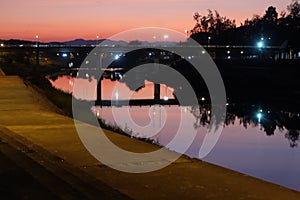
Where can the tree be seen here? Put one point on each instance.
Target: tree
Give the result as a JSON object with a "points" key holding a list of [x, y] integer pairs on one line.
{"points": [[252, 22], [271, 15], [294, 9], [276, 27], [213, 23]]}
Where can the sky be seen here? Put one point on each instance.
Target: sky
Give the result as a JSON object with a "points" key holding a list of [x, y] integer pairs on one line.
{"points": [[62, 20]]}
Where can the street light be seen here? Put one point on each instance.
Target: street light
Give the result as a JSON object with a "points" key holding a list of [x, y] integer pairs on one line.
{"points": [[260, 44]]}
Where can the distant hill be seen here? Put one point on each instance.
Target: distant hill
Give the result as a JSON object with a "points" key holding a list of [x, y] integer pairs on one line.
{"points": [[14, 42], [83, 42]]}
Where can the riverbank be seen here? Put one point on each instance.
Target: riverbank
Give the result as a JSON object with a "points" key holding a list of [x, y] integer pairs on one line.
{"points": [[27, 116]]}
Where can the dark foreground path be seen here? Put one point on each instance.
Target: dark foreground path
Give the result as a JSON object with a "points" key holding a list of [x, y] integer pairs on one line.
{"points": [[16, 183], [40, 176]]}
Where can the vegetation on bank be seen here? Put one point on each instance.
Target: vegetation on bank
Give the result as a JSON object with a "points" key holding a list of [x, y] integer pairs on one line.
{"points": [[35, 76]]}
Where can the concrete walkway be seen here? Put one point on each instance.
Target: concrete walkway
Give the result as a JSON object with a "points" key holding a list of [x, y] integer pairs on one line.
{"points": [[27, 121]]}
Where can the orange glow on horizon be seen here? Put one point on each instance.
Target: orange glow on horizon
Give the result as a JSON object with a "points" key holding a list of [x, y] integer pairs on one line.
{"points": [[63, 20]]}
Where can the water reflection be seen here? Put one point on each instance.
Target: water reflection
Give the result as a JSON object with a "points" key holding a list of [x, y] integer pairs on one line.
{"points": [[293, 137], [112, 89], [202, 116], [268, 120], [248, 115]]}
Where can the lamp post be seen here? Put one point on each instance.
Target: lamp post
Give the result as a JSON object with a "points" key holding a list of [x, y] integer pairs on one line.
{"points": [[208, 41], [166, 37], [37, 51], [97, 40], [186, 32]]}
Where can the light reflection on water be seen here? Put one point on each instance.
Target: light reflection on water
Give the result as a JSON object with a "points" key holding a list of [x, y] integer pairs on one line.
{"points": [[257, 147]]}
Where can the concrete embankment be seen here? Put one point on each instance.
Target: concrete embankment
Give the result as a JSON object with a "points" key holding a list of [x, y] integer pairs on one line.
{"points": [[31, 127]]}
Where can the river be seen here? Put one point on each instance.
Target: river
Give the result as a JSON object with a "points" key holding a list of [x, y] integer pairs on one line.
{"points": [[257, 140]]}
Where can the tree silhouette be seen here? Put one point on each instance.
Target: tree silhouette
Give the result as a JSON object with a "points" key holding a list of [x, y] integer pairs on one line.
{"points": [[213, 23], [294, 9], [293, 137], [271, 15], [272, 26]]}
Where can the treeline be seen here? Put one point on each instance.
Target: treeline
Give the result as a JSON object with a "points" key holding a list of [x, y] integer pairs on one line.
{"points": [[274, 28]]}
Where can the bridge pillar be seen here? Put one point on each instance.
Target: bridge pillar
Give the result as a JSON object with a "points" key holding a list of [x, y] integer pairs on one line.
{"points": [[156, 92], [99, 94]]}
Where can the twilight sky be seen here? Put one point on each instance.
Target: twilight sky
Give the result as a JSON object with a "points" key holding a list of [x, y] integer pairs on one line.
{"points": [[60, 20]]}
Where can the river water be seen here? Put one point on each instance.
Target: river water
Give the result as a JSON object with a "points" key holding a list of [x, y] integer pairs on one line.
{"points": [[256, 140]]}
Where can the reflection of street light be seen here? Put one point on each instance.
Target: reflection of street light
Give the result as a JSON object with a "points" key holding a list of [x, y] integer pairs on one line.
{"points": [[101, 57], [117, 95], [117, 57], [166, 98]]}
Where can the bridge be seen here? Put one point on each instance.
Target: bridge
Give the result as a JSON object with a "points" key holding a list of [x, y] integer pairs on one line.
{"points": [[216, 51]]}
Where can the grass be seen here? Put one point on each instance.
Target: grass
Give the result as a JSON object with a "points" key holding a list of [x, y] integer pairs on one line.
{"points": [[35, 77]]}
